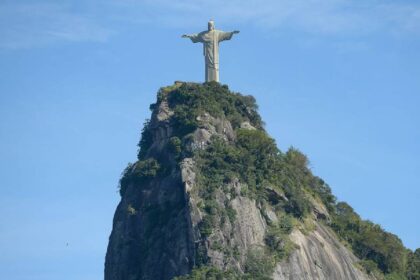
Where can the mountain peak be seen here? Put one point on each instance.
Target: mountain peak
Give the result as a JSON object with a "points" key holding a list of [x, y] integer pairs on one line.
{"points": [[212, 197]]}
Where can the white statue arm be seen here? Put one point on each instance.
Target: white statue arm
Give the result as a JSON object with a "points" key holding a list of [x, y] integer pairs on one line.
{"points": [[223, 36], [195, 38]]}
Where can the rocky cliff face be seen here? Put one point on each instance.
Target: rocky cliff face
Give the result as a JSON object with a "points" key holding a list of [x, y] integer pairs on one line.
{"points": [[185, 207], [319, 256], [152, 235]]}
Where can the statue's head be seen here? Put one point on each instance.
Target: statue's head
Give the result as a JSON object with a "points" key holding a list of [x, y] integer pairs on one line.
{"points": [[211, 25]]}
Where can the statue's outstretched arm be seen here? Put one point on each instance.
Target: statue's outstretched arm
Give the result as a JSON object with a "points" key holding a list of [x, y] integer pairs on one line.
{"points": [[194, 37], [223, 36]]}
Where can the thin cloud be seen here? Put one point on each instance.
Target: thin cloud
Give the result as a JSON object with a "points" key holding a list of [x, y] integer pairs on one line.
{"points": [[329, 17], [26, 24]]}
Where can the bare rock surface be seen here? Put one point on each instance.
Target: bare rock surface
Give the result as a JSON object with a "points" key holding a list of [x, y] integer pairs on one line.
{"points": [[319, 256]]}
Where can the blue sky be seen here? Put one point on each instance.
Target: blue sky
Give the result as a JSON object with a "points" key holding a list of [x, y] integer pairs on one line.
{"points": [[338, 79]]}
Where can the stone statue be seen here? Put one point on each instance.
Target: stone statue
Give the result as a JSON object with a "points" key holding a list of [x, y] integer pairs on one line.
{"points": [[210, 40]]}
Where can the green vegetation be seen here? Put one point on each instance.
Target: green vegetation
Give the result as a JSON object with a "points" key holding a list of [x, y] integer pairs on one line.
{"points": [[207, 224], [145, 169], [139, 173], [214, 215], [254, 159], [259, 265], [376, 248], [413, 265], [209, 273], [369, 266], [277, 238], [175, 145], [296, 178], [192, 100], [146, 140]]}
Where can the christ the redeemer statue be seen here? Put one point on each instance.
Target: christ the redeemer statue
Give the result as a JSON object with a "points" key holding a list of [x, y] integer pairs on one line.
{"points": [[210, 40]]}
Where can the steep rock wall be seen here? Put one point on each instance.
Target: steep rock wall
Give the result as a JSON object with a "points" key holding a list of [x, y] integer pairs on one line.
{"points": [[319, 256], [152, 235]]}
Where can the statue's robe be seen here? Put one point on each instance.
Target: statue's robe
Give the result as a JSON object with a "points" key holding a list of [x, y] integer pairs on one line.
{"points": [[211, 40]]}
